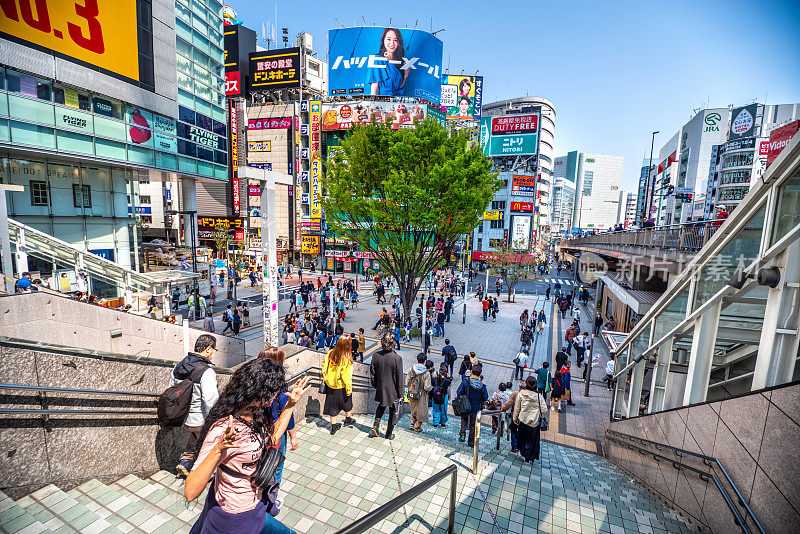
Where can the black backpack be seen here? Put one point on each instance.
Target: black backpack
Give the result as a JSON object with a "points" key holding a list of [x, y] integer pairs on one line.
{"points": [[174, 403]]}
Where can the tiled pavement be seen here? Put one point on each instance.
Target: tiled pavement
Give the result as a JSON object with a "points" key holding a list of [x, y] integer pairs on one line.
{"points": [[332, 480]]}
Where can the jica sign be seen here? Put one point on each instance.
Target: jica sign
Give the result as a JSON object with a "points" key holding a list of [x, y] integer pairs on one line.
{"points": [[591, 267]]}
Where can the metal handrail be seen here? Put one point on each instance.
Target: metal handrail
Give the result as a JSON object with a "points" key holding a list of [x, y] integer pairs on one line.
{"points": [[18, 411], [47, 389], [475, 444], [707, 460], [374, 517], [690, 236]]}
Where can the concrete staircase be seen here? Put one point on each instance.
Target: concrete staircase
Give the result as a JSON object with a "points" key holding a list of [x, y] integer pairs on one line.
{"points": [[332, 480]]}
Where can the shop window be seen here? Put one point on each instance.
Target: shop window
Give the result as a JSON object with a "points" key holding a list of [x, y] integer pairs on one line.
{"points": [[147, 219], [81, 196], [29, 85], [73, 98], [38, 193]]}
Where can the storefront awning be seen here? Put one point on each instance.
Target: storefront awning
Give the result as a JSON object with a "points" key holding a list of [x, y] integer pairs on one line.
{"points": [[639, 301]]}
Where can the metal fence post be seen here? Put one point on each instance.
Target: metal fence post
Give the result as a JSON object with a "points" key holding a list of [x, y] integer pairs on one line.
{"points": [[475, 443], [452, 519]]}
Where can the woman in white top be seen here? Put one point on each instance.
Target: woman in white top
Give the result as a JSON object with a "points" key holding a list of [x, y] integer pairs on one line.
{"points": [[529, 408]]}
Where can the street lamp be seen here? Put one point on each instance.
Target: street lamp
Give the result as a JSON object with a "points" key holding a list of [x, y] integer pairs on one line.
{"points": [[195, 285], [646, 214]]}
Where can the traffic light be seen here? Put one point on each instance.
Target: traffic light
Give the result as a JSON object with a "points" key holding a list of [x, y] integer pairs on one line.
{"points": [[670, 190]]}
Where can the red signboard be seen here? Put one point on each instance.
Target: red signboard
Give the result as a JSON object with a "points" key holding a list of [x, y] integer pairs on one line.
{"points": [[779, 138], [270, 123], [515, 124], [234, 128], [522, 206], [763, 148], [481, 255], [233, 83], [254, 190]]}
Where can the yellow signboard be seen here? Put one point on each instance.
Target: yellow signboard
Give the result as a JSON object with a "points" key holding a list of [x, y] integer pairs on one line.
{"points": [[259, 146], [102, 33], [492, 215], [310, 244]]}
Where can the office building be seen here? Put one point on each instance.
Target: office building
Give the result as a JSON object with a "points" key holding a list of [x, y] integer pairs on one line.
{"points": [[541, 167], [597, 187], [683, 164], [626, 214], [564, 177], [645, 191], [80, 128]]}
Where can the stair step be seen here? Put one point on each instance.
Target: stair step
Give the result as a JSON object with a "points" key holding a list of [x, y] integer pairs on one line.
{"points": [[60, 512], [15, 519], [150, 508]]}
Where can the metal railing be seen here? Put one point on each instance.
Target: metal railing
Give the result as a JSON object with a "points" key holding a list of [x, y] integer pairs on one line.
{"points": [[629, 441], [687, 237], [475, 445], [74, 391], [385, 510]]}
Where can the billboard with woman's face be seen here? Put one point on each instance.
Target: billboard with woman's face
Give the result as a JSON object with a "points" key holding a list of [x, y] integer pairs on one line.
{"points": [[462, 95], [385, 62]]}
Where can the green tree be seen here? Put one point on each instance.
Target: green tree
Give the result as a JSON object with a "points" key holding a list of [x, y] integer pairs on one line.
{"points": [[512, 265], [407, 195]]}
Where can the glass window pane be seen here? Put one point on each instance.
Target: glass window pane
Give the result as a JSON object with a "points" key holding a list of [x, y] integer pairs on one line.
{"points": [[640, 342], [3, 105], [75, 142], [5, 133], [31, 134], [673, 314], [787, 215], [31, 110], [109, 149], [140, 155], [187, 165], [109, 128], [738, 253]]}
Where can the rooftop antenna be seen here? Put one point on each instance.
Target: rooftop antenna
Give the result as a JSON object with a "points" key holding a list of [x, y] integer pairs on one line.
{"points": [[437, 31], [365, 20], [415, 23], [390, 22], [340, 22]]}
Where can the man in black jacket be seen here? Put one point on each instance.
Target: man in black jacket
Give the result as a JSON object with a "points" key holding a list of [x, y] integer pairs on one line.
{"points": [[449, 355], [386, 376]]}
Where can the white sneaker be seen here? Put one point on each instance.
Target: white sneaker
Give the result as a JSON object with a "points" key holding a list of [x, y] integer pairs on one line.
{"points": [[559, 407]]}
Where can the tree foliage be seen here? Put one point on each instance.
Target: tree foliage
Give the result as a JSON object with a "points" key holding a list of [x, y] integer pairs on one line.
{"points": [[407, 195], [511, 264]]}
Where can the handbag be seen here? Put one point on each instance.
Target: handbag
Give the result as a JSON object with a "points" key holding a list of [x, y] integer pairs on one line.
{"points": [[323, 388], [461, 405], [543, 424], [516, 360], [264, 475], [398, 410]]}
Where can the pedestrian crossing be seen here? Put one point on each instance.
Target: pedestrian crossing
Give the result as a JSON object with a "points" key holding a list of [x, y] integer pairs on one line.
{"points": [[561, 280]]}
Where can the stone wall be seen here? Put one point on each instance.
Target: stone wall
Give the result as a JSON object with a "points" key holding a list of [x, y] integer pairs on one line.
{"points": [[51, 318], [754, 436], [77, 447]]}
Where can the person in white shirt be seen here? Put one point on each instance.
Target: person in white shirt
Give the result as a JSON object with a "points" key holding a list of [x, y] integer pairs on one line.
{"points": [[522, 364], [609, 372], [204, 393]]}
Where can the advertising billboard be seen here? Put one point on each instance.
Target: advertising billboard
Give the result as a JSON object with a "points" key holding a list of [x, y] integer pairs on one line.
{"points": [[315, 117], [259, 146], [310, 244], [492, 215], [275, 69], [523, 185], [461, 96], [234, 132], [384, 61], [103, 36], [343, 116], [510, 135], [269, 123], [522, 206], [743, 122], [520, 230], [779, 138]]}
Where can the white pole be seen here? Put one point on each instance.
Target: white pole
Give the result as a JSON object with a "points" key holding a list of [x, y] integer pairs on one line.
{"points": [[5, 237], [269, 262]]}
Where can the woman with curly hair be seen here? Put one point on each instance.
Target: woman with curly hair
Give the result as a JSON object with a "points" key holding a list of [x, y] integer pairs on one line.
{"points": [[236, 432], [337, 373]]}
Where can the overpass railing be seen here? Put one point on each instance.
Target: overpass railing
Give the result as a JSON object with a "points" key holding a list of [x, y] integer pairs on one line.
{"points": [[689, 237]]}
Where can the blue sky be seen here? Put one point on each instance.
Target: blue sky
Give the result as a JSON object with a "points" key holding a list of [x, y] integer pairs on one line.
{"points": [[615, 71]]}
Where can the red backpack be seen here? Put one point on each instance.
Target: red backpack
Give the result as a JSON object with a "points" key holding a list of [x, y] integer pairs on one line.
{"points": [[174, 403]]}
